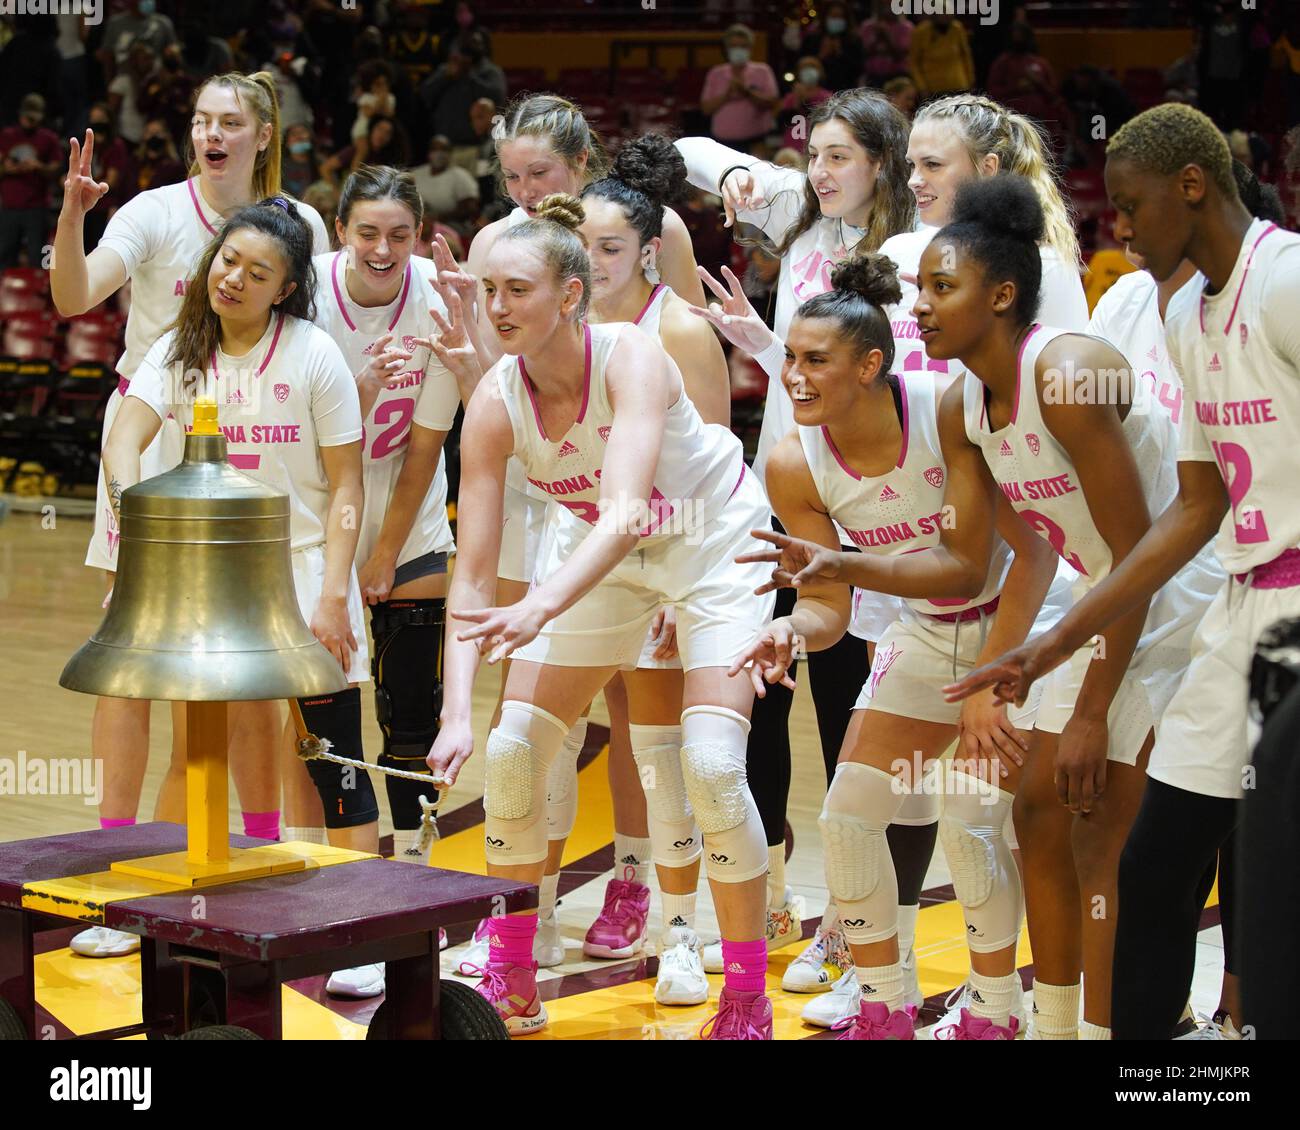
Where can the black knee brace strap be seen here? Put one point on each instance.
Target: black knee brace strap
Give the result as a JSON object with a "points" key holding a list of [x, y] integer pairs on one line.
{"points": [[407, 670], [346, 793]]}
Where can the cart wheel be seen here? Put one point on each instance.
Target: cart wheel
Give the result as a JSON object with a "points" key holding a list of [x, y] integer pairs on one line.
{"points": [[465, 1016], [220, 1032], [11, 1024]]}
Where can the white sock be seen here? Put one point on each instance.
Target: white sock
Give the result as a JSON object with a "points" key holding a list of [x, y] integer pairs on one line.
{"points": [[991, 997], [907, 933], [776, 876], [633, 852], [1056, 1011], [881, 984], [404, 841], [548, 891], [1093, 1032], [306, 835], [679, 910], [831, 917]]}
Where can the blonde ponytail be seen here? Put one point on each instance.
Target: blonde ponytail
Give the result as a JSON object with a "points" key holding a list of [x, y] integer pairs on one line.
{"points": [[987, 127], [256, 92]]}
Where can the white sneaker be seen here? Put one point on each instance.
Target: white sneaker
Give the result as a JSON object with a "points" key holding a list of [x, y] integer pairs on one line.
{"points": [[362, 982], [100, 941], [548, 946], [681, 978], [842, 1001], [783, 927], [1211, 1029], [821, 963], [960, 998], [911, 985]]}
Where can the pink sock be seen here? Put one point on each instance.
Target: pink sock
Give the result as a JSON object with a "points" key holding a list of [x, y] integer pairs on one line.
{"points": [[511, 940], [262, 825], [744, 965], [116, 823]]}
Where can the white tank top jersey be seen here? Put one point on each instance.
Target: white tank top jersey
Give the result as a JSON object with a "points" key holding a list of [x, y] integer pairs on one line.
{"points": [[160, 236], [516, 477], [1239, 354], [1061, 303], [652, 311], [699, 468], [1037, 475], [805, 267], [1128, 316], [427, 393], [277, 405], [902, 510]]}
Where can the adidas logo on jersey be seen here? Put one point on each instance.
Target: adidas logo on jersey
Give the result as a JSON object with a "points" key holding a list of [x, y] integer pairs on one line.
{"points": [[567, 448], [603, 432], [934, 476], [1245, 333], [1034, 445], [889, 494], [1154, 353], [1215, 365], [1005, 449]]}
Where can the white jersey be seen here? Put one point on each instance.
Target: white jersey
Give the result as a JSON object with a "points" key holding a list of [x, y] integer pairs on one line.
{"points": [[160, 236], [277, 405], [652, 311], [1239, 353], [700, 465], [805, 268], [1128, 316], [900, 511], [1061, 303]]}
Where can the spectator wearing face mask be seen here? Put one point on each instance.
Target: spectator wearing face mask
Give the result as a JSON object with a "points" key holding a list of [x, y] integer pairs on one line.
{"points": [[837, 46], [449, 193], [298, 168], [448, 94], [140, 23], [168, 93], [809, 90], [111, 164], [740, 95], [30, 159], [156, 159]]}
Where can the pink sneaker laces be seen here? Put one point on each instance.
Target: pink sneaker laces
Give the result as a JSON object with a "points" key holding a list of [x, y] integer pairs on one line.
{"points": [[733, 1020]]}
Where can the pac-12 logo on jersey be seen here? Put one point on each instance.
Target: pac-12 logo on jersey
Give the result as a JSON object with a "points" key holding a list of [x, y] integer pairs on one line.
{"points": [[934, 476], [281, 393], [1034, 445], [408, 342], [604, 432]]}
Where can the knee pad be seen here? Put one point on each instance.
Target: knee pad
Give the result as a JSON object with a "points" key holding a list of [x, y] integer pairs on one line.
{"points": [[407, 667], [713, 773], [925, 801], [674, 837], [562, 784], [859, 806], [520, 751], [346, 794], [984, 873]]}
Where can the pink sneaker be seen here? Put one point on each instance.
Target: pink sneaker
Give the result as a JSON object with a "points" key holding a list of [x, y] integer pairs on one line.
{"points": [[740, 1016], [619, 929], [971, 1027], [512, 991], [876, 1022]]}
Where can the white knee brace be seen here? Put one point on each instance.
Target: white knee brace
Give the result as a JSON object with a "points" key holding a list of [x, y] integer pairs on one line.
{"points": [[520, 751], [674, 838], [562, 784], [859, 806], [713, 769], [984, 873]]}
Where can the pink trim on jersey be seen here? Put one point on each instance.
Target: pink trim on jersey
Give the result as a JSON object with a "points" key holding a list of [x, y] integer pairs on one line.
{"points": [[654, 293], [586, 385], [739, 479], [902, 390], [338, 293], [275, 340], [968, 614], [198, 207], [1020, 353], [1241, 286], [835, 451]]}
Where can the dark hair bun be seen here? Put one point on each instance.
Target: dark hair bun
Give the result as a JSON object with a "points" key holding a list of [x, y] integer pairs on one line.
{"points": [[873, 276], [563, 209], [651, 165], [1007, 204]]}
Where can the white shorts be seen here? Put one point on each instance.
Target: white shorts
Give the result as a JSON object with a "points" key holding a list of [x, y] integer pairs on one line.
{"points": [[916, 656], [872, 614], [717, 611], [1206, 735], [308, 577], [646, 661], [430, 532], [523, 524], [161, 455]]}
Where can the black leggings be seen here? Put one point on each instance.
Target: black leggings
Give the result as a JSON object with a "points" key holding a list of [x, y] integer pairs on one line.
{"points": [[1165, 873]]}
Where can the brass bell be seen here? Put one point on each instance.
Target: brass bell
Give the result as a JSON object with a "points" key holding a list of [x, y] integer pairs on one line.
{"points": [[203, 607]]}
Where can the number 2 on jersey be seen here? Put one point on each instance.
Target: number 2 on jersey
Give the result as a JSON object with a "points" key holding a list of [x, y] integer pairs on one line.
{"points": [[395, 436], [1042, 524], [1234, 466]]}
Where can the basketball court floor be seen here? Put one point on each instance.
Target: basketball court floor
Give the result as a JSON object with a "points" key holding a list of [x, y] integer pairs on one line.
{"points": [[49, 605]]}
